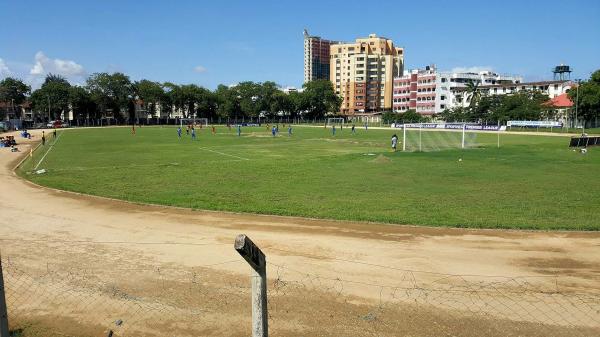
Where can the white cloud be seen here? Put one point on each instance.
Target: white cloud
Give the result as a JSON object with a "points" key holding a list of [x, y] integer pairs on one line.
{"points": [[199, 69], [475, 69], [44, 65], [4, 71]]}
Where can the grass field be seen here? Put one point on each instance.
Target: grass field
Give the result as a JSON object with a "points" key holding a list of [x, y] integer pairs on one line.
{"points": [[533, 182]]}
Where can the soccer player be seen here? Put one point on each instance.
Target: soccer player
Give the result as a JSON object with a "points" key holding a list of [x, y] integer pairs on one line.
{"points": [[394, 142], [43, 138], [366, 126], [54, 133], [353, 129], [187, 130], [179, 132], [333, 130], [214, 131], [290, 130], [239, 130], [193, 133], [133, 129]]}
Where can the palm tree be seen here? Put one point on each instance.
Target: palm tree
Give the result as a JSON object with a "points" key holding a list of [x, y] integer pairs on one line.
{"points": [[473, 92]]}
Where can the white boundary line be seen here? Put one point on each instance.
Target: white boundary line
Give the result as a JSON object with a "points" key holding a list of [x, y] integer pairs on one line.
{"points": [[224, 154], [45, 154]]}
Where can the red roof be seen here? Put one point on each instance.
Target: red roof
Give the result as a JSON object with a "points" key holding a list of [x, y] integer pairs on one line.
{"points": [[560, 101]]}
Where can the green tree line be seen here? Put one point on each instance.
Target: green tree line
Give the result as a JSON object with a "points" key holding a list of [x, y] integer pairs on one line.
{"points": [[116, 95]]}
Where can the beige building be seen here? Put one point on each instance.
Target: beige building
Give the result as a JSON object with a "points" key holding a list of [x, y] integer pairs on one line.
{"points": [[363, 74]]}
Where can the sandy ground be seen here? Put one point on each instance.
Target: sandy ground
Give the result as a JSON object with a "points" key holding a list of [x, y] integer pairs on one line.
{"points": [[75, 264]]}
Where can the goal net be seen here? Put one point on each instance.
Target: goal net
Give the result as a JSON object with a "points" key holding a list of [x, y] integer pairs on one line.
{"points": [[184, 122], [427, 137], [337, 121]]}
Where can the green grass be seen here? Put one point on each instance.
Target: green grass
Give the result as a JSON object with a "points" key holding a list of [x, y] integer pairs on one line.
{"points": [[533, 182]]}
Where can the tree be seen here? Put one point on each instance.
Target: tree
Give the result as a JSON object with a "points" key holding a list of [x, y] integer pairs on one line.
{"points": [[296, 102], [319, 98], [473, 93], [150, 93], [456, 114], [588, 102], [409, 116], [81, 102], [523, 105], [53, 97], [228, 102], [111, 92], [250, 98], [174, 99], [206, 104], [13, 92]]}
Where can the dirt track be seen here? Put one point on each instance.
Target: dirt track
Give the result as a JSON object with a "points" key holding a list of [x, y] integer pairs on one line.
{"points": [[327, 278]]}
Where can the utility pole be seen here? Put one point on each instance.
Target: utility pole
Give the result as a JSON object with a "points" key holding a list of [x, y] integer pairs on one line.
{"points": [[577, 102], [49, 118]]}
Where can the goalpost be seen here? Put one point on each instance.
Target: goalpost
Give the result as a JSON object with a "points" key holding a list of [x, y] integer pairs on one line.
{"points": [[193, 121], [434, 137], [335, 121]]}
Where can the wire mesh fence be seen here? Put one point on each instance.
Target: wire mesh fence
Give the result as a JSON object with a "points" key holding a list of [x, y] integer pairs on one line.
{"points": [[46, 298]]}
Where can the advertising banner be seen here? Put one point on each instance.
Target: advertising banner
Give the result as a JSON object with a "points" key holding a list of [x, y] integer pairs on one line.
{"points": [[451, 126], [536, 124]]}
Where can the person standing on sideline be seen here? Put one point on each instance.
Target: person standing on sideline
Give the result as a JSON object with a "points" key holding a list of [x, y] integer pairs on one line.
{"points": [[43, 138], [394, 142], [239, 130], [353, 129], [333, 130], [179, 132], [193, 133], [290, 130]]}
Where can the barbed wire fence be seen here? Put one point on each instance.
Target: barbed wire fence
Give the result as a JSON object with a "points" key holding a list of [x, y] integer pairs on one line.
{"points": [[48, 298]]}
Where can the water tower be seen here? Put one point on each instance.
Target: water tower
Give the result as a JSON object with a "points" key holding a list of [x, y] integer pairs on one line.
{"points": [[562, 72]]}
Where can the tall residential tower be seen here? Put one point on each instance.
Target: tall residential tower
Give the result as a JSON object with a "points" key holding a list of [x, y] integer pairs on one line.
{"points": [[316, 57], [363, 74]]}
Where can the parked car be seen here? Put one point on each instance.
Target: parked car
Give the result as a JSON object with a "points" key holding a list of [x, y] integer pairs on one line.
{"points": [[57, 124]]}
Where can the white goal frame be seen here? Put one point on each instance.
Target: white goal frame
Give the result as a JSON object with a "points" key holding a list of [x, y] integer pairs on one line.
{"points": [[336, 120], [419, 126], [194, 121]]}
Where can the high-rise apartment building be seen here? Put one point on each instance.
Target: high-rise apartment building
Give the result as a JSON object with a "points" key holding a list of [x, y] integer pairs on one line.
{"points": [[316, 57], [363, 72]]}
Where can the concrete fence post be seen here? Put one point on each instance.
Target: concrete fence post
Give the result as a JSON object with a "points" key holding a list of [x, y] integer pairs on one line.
{"points": [[3, 310], [256, 259]]}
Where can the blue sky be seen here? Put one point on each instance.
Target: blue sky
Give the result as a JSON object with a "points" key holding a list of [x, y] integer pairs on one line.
{"points": [[215, 42]]}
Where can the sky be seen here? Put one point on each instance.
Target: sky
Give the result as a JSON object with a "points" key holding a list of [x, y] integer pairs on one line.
{"points": [[226, 42]]}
